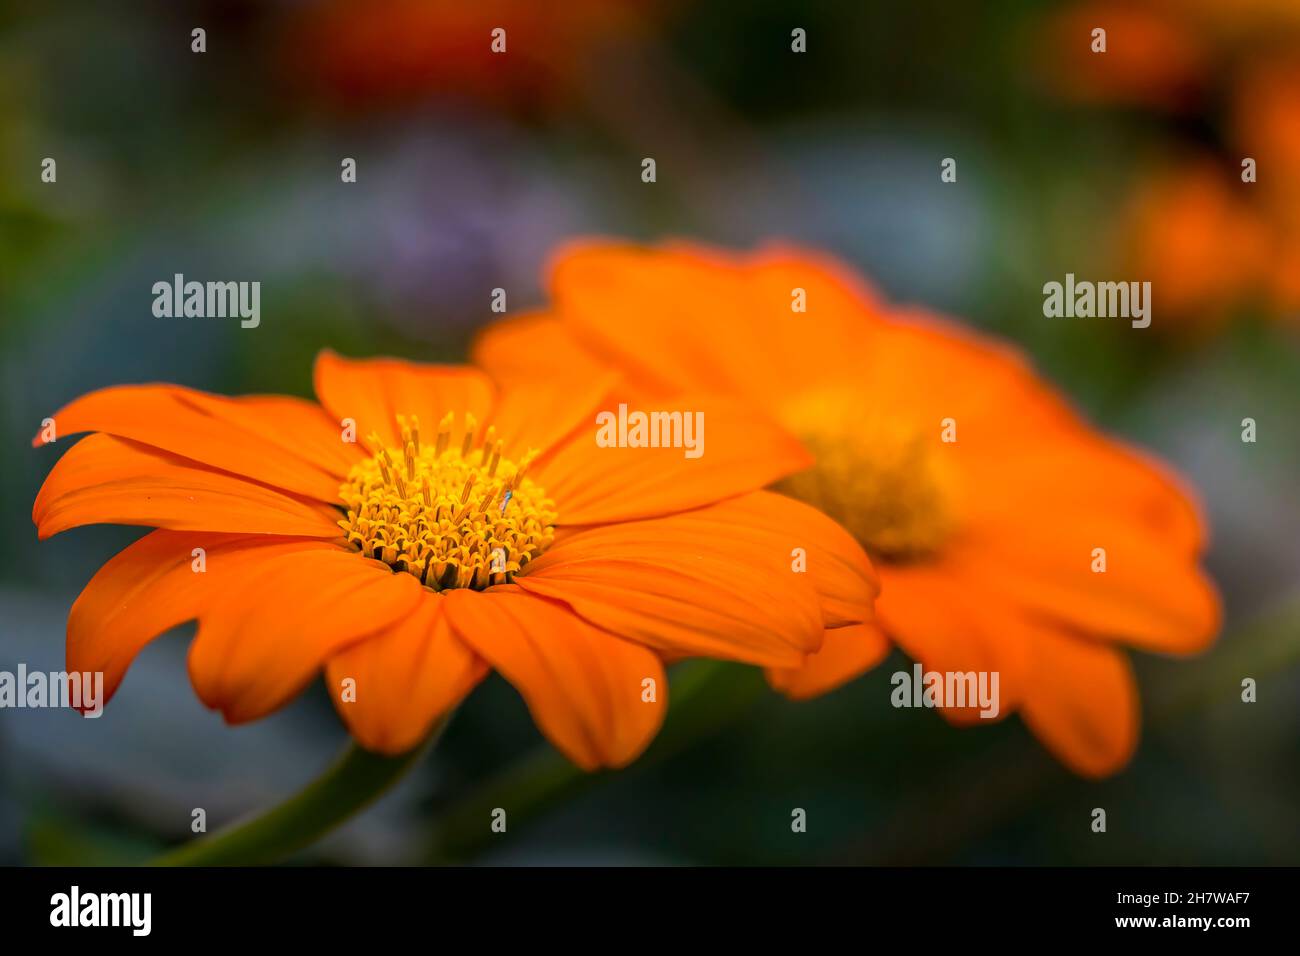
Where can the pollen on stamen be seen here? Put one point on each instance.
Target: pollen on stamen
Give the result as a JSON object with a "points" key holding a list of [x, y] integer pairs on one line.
{"points": [[430, 511]]}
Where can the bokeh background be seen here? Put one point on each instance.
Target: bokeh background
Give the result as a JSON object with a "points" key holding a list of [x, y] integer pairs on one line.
{"points": [[471, 169]]}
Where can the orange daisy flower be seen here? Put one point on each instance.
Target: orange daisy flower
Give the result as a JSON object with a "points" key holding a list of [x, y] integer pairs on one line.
{"points": [[989, 507], [464, 529]]}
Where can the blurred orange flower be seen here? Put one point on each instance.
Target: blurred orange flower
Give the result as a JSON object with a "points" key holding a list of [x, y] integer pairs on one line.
{"points": [[1199, 241], [987, 504], [1170, 54], [1152, 59], [1266, 118], [408, 562], [1210, 241], [367, 52]]}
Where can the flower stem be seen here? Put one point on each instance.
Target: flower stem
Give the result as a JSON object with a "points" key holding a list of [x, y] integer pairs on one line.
{"points": [[706, 696], [356, 779]]}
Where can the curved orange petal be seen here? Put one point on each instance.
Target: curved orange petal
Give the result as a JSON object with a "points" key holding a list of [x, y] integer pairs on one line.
{"points": [[948, 625], [406, 677], [740, 450], [585, 688], [1074, 472], [540, 413], [152, 586], [1151, 595], [846, 653], [264, 642], [1082, 703], [717, 581], [653, 295], [692, 318], [929, 368], [795, 537], [1045, 452], [531, 347], [373, 392], [303, 427], [283, 442], [107, 480]]}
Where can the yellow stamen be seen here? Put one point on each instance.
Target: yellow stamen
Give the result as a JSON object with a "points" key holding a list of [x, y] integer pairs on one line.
{"points": [[423, 517], [471, 423], [444, 434]]}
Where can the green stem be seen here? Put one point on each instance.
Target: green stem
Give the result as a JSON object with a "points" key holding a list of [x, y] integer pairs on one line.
{"points": [[706, 696], [356, 779]]}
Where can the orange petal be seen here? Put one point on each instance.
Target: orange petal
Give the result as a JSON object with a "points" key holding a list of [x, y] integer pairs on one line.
{"points": [[373, 392], [1151, 595], [1045, 453], [932, 368], [303, 427], [774, 528], [264, 642], [1082, 703], [948, 625], [668, 300], [540, 413], [846, 653], [107, 480], [585, 688], [406, 677], [716, 582], [1078, 473], [152, 586], [283, 442], [741, 451], [531, 347]]}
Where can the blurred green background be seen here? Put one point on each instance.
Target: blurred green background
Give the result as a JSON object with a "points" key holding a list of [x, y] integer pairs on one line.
{"points": [[225, 165]]}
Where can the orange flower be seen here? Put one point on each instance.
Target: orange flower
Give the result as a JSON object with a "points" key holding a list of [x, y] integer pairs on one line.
{"points": [[1153, 57], [1161, 54], [1266, 124], [1196, 237], [987, 545], [361, 52], [1209, 241], [478, 529]]}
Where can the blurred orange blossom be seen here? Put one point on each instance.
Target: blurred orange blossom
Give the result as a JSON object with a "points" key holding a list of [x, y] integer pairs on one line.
{"points": [[377, 52], [986, 543], [1209, 242]]}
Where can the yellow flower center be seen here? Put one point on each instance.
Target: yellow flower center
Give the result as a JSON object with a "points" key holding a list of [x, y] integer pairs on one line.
{"points": [[886, 480], [453, 515]]}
